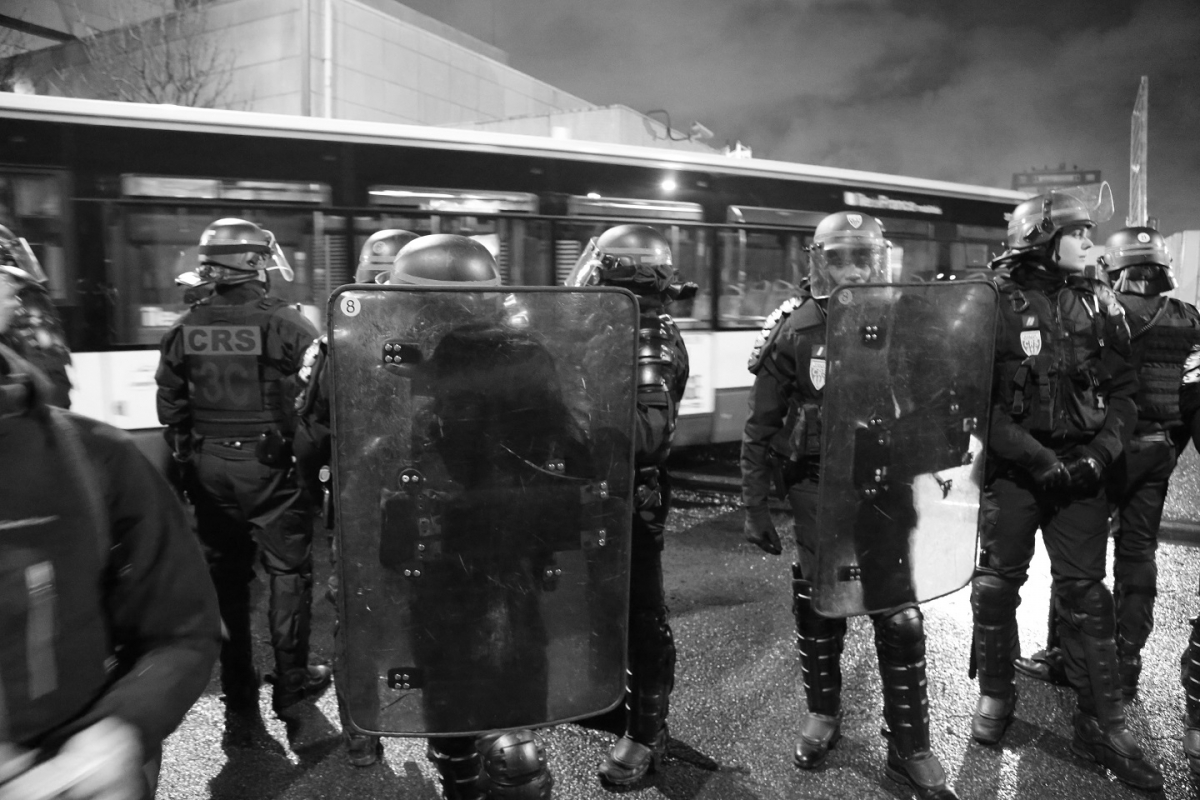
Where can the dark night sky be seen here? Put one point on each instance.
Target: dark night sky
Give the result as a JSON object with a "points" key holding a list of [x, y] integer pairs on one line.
{"points": [[960, 90]]}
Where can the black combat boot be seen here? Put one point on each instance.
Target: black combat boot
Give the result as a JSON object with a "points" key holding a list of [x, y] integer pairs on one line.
{"points": [[459, 765], [300, 683], [819, 641], [1086, 629], [1046, 665], [649, 682], [1190, 677], [994, 603], [900, 645]]}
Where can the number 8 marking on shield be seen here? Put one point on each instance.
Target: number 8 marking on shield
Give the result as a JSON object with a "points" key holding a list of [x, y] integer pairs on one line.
{"points": [[351, 305]]}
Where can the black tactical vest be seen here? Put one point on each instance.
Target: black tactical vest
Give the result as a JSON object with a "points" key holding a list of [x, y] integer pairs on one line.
{"points": [[234, 390], [1164, 332], [1048, 359]]}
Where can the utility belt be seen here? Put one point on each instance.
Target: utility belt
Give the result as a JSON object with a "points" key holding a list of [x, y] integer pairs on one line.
{"points": [[1156, 436], [270, 448]]}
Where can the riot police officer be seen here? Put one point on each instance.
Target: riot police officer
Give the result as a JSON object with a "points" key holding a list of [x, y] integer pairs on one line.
{"points": [[221, 393], [33, 330], [782, 436], [508, 764], [378, 254], [1063, 400], [1164, 331], [638, 258]]}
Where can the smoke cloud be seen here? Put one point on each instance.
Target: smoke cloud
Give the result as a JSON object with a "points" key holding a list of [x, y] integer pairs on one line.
{"points": [[957, 90]]}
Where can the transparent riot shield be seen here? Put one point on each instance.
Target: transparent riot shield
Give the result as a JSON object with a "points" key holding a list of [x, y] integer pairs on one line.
{"points": [[903, 436], [482, 478]]}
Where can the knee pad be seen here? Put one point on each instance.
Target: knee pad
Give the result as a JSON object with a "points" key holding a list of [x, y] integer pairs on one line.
{"points": [[994, 599], [514, 763], [809, 623], [900, 635], [1087, 605]]}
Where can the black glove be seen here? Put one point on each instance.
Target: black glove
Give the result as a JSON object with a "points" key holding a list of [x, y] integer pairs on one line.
{"points": [[760, 530], [1053, 477], [1085, 473]]}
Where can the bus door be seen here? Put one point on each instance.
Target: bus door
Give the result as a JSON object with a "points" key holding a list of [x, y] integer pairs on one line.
{"points": [[499, 220]]}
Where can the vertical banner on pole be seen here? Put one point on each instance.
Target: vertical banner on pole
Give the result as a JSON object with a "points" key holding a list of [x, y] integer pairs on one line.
{"points": [[1137, 157]]}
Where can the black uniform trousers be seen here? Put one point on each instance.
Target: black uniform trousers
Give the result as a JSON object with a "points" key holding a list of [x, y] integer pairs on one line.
{"points": [[245, 509], [1074, 530], [1138, 489]]}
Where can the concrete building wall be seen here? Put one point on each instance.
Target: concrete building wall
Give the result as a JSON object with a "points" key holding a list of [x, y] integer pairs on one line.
{"points": [[383, 63], [375, 60]]}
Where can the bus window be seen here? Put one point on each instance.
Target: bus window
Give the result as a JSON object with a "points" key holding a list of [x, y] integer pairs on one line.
{"points": [[151, 245], [759, 270], [913, 260], [690, 251], [972, 255]]}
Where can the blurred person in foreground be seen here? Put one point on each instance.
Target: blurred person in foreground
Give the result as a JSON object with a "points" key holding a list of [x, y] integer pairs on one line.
{"points": [[34, 330], [109, 626]]}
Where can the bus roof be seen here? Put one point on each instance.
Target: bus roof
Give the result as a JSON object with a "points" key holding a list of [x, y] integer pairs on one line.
{"points": [[251, 123]]}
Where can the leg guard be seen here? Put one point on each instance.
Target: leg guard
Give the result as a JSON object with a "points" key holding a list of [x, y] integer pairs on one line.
{"points": [[819, 641], [1135, 587], [651, 677], [649, 681], [900, 644], [459, 765], [1087, 627], [1190, 677], [514, 766], [994, 601]]}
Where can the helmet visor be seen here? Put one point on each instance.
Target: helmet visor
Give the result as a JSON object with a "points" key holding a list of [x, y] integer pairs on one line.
{"points": [[588, 267], [18, 256], [839, 264]]}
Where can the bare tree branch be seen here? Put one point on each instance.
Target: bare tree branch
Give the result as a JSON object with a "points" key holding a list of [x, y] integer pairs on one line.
{"points": [[159, 51]]}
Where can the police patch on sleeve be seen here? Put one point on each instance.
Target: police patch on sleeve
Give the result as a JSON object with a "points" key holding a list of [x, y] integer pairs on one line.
{"points": [[1191, 366], [816, 367], [769, 331], [309, 359]]}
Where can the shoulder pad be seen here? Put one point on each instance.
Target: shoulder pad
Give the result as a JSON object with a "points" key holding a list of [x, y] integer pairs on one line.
{"points": [[269, 303], [309, 359], [770, 330]]}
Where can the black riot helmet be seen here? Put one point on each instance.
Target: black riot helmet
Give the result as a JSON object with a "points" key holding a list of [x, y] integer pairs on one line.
{"points": [[1137, 262], [1035, 221], [17, 259], [378, 252], [444, 259], [237, 251], [845, 240], [634, 257]]}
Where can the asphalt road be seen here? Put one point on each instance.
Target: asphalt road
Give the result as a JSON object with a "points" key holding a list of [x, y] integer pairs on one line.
{"points": [[736, 703]]}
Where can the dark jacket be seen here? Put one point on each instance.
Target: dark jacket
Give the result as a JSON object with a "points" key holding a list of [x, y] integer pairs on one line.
{"points": [[784, 426], [1165, 331], [108, 610], [226, 363], [1063, 382]]}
